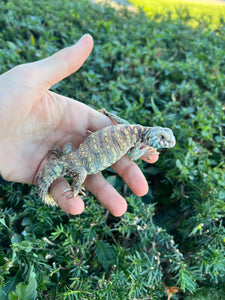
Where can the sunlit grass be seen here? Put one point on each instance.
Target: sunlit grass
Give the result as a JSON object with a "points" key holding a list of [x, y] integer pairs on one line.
{"points": [[207, 12]]}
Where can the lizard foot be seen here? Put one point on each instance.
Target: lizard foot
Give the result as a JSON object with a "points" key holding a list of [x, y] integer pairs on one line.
{"points": [[149, 151], [80, 192], [56, 152], [145, 152]]}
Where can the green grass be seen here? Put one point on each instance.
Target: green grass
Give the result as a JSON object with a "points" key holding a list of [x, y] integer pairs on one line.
{"points": [[208, 13], [152, 72]]}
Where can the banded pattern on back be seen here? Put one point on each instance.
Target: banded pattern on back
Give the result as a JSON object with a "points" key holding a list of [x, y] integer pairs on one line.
{"points": [[104, 147]]}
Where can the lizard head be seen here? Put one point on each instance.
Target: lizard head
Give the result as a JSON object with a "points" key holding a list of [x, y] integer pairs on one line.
{"points": [[159, 137]]}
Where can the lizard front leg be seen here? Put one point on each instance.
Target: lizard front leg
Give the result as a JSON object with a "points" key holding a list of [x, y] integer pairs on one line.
{"points": [[138, 152], [79, 174], [113, 117]]}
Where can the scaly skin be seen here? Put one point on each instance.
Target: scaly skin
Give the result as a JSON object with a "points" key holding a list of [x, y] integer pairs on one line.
{"points": [[100, 150]]}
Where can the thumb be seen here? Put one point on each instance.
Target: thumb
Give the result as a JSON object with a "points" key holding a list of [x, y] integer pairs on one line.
{"points": [[65, 62]]}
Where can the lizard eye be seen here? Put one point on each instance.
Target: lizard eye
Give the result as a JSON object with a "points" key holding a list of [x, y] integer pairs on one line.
{"points": [[163, 139]]}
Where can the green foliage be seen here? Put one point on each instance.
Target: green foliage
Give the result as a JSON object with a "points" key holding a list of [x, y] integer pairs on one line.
{"points": [[157, 73], [24, 291]]}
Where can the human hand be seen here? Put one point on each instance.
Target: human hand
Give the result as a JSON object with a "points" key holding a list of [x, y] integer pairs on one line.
{"points": [[33, 119]]}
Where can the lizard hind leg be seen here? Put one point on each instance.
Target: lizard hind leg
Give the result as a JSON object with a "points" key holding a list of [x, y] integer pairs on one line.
{"points": [[68, 148], [81, 192], [76, 188], [54, 153], [57, 152]]}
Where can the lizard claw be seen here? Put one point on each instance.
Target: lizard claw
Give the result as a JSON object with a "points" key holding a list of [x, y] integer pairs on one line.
{"points": [[68, 190], [82, 191], [149, 151]]}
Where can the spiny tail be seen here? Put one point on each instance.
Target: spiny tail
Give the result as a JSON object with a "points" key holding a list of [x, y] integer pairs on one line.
{"points": [[51, 171]]}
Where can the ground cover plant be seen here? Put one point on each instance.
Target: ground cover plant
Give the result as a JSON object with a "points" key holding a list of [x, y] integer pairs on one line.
{"points": [[170, 243], [192, 12]]}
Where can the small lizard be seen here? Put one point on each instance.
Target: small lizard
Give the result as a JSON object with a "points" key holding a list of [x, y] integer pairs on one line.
{"points": [[100, 150]]}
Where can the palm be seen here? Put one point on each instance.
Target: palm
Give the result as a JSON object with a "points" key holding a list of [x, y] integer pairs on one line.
{"points": [[43, 122]]}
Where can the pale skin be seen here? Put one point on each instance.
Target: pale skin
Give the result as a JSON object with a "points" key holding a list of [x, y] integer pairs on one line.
{"points": [[33, 119]]}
